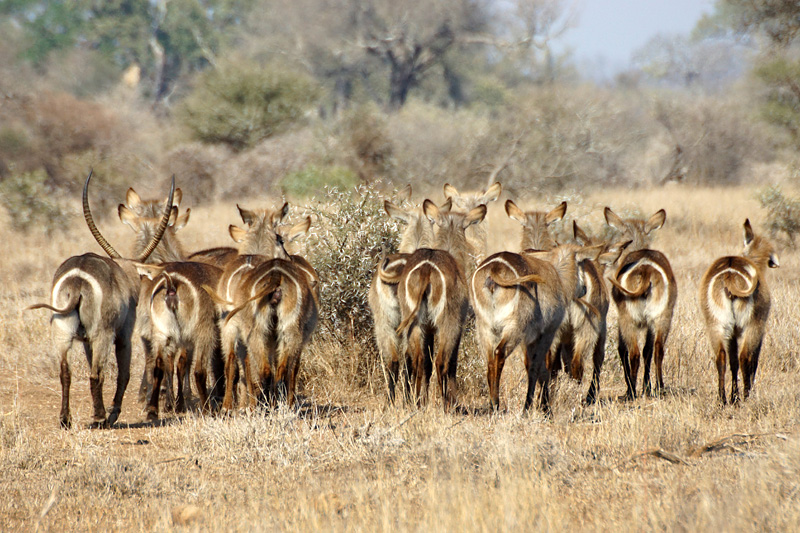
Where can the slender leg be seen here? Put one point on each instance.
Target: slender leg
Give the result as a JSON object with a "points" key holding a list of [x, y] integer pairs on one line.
{"points": [[66, 381], [647, 355], [721, 364], [122, 351], [658, 352]]}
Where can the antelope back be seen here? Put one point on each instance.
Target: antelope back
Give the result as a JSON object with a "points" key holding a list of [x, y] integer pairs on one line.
{"points": [[535, 225]]}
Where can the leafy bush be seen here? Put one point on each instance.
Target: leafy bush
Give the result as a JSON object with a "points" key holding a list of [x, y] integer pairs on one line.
{"points": [[241, 103], [313, 179], [31, 203], [781, 103], [783, 212], [350, 232]]}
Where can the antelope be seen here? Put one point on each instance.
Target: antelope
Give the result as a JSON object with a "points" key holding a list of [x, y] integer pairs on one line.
{"points": [[734, 299], [535, 225], [383, 302], [433, 297], [184, 320], [93, 300], [466, 202], [271, 302], [519, 302], [588, 329], [644, 290]]}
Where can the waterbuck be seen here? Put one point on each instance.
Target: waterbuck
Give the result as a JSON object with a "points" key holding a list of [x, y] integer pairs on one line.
{"points": [[382, 298], [644, 290], [93, 300], [734, 299], [433, 296]]}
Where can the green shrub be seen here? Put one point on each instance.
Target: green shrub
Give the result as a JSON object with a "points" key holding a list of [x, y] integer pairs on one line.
{"points": [[350, 232], [783, 213], [241, 103], [31, 203], [313, 180], [781, 103]]}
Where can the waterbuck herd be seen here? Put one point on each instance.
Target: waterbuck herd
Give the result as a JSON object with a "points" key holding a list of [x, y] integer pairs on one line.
{"points": [[220, 316]]}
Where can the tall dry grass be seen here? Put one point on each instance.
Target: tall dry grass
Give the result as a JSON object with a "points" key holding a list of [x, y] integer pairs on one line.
{"points": [[347, 461]]}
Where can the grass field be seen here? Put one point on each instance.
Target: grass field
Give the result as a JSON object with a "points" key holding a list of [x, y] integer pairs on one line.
{"points": [[347, 461]]}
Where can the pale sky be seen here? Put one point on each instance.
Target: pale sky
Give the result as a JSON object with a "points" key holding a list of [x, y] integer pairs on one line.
{"points": [[609, 31]]}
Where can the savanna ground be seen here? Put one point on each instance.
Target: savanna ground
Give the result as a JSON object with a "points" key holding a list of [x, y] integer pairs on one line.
{"points": [[346, 461]]}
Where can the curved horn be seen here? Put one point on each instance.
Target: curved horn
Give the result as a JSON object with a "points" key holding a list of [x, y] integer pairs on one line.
{"points": [[87, 214], [162, 227]]}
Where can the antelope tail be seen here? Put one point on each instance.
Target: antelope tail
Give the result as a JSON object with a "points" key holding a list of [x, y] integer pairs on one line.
{"points": [[219, 300], [386, 277], [589, 307], [733, 289], [513, 282], [636, 293], [406, 322], [271, 289], [72, 304]]}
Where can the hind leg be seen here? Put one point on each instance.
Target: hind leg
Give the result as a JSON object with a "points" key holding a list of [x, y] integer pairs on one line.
{"points": [[98, 355], [598, 357], [184, 363], [446, 366], [748, 358], [721, 363], [122, 351], [415, 354], [658, 353], [159, 364], [149, 360], [629, 357], [647, 355], [66, 381]]}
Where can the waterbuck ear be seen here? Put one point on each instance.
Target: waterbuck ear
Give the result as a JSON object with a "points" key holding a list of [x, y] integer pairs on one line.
{"points": [[431, 211], [177, 196], [182, 220], [173, 216], [773, 261], [447, 206], [128, 217], [248, 217], [556, 214], [237, 233], [149, 271], [404, 194], [515, 212], [613, 220], [394, 211], [492, 193], [655, 221], [475, 216], [132, 199], [579, 235], [749, 235], [449, 191], [278, 215], [298, 229], [589, 252]]}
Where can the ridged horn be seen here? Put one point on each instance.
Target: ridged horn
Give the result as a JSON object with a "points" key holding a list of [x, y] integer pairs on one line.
{"points": [[87, 214], [162, 227]]}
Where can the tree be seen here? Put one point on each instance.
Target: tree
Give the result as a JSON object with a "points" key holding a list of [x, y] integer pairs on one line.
{"points": [[166, 38]]}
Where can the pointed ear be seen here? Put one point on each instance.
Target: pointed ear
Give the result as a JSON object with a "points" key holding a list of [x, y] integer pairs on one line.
{"points": [[475, 216], [278, 215], [515, 212], [132, 199], [182, 220], [774, 261], [431, 211], [749, 235], [177, 196], [394, 211], [404, 194], [556, 214], [492, 193], [655, 221], [248, 217], [447, 206], [579, 235], [149, 271], [128, 217], [589, 252], [237, 233], [173, 216], [449, 191], [613, 220], [298, 229]]}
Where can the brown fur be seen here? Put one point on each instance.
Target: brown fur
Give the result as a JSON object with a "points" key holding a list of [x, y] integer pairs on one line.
{"points": [[98, 296], [433, 298], [735, 301], [466, 202], [644, 290], [535, 225]]}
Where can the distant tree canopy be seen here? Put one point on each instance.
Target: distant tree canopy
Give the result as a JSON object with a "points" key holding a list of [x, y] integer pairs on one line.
{"points": [[166, 38]]}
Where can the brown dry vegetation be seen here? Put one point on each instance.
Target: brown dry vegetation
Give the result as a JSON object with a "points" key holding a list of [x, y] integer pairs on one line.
{"points": [[346, 461]]}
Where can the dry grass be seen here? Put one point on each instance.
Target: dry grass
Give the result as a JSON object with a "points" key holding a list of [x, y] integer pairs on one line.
{"points": [[346, 461]]}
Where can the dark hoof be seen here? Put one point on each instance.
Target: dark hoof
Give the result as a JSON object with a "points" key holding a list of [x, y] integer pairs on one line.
{"points": [[66, 422], [152, 414], [113, 415], [97, 424]]}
